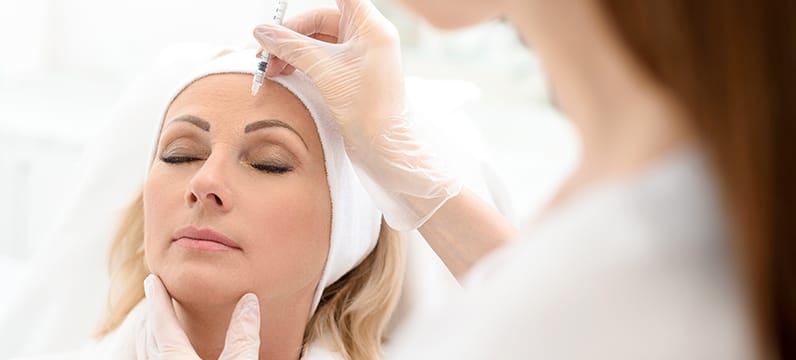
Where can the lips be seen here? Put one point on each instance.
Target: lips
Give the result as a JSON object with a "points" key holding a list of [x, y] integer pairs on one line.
{"points": [[204, 239]]}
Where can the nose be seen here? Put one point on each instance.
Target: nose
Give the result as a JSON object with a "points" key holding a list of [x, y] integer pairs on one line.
{"points": [[208, 188]]}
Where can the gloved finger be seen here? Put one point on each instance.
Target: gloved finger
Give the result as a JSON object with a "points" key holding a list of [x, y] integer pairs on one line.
{"points": [[321, 37], [321, 24], [280, 67], [276, 66], [152, 350], [324, 21], [243, 334], [140, 340], [357, 13], [161, 323], [298, 50], [347, 6]]}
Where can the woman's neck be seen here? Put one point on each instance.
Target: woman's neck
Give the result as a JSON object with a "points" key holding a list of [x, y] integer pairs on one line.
{"points": [[282, 324], [626, 120], [625, 143]]}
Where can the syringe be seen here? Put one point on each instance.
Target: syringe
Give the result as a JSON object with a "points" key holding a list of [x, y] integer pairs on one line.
{"points": [[265, 57]]}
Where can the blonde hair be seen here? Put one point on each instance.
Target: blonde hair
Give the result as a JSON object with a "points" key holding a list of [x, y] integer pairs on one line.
{"points": [[350, 318]]}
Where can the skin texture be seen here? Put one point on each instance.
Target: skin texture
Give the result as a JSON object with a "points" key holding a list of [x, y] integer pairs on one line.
{"points": [[266, 190]]}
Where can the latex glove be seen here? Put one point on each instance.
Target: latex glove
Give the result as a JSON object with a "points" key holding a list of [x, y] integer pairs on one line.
{"points": [[361, 80], [161, 337]]}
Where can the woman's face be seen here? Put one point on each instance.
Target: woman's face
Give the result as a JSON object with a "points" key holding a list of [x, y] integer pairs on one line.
{"points": [[455, 14], [237, 199]]}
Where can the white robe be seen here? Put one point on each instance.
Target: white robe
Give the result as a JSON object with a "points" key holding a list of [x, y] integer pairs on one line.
{"points": [[637, 268]]}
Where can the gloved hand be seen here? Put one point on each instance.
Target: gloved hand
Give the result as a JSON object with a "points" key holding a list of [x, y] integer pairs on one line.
{"points": [[361, 80], [161, 337]]}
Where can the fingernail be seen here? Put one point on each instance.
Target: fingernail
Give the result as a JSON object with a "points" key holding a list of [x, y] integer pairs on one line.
{"points": [[263, 32], [250, 303]]}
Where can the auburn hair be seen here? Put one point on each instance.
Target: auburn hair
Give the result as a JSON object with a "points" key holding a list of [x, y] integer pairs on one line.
{"points": [[731, 63]]}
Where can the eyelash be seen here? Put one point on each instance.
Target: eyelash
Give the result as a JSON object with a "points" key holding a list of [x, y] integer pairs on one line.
{"points": [[177, 159], [267, 168], [272, 169]]}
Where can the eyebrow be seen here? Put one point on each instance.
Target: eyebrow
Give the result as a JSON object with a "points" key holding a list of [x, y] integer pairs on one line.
{"points": [[199, 122], [269, 123], [257, 125]]}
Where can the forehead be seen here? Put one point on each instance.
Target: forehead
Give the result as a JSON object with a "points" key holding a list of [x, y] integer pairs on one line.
{"points": [[225, 101]]}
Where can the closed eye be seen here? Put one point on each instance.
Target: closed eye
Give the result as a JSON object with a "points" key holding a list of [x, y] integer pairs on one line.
{"points": [[178, 159], [271, 168], [264, 167]]}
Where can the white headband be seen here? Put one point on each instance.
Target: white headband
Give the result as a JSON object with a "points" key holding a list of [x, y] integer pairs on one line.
{"points": [[355, 219]]}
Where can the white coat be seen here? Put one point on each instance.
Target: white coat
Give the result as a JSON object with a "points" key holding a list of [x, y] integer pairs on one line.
{"points": [[638, 268]]}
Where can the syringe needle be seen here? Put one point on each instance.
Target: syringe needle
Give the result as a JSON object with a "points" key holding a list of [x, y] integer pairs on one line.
{"points": [[265, 58]]}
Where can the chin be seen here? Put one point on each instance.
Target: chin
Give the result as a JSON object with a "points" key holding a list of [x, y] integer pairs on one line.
{"points": [[462, 21], [445, 15], [202, 284]]}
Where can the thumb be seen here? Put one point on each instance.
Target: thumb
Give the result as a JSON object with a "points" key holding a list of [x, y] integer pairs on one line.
{"points": [[298, 50], [243, 334], [162, 325]]}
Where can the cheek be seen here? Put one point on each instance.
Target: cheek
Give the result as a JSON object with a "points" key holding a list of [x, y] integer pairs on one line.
{"points": [[161, 197], [291, 228]]}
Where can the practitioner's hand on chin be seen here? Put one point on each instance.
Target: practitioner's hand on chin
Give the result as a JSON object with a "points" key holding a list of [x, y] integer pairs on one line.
{"points": [[161, 337]]}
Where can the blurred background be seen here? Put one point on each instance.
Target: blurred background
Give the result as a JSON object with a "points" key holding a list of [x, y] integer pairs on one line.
{"points": [[64, 64]]}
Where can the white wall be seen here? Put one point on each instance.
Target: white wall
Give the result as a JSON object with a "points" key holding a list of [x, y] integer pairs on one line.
{"points": [[63, 64]]}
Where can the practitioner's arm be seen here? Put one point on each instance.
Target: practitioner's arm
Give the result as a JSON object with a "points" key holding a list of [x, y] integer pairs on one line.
{"points": [[465, 229]]}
